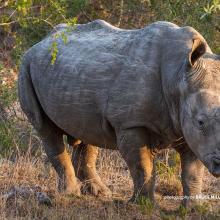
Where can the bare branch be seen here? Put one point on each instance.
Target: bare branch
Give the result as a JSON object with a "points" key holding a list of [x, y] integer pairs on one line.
{"points": [[86, 16], [8, 23], [121, 12], [28, 18]]}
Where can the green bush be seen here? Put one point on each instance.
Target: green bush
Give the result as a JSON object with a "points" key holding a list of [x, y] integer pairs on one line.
{"points": [[30, 20]]}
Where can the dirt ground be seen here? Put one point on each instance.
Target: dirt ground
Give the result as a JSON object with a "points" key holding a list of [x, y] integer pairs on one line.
{"points": [[34, 174]]}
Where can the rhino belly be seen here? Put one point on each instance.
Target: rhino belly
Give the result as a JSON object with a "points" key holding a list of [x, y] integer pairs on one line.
{"points": [[84, 121]]}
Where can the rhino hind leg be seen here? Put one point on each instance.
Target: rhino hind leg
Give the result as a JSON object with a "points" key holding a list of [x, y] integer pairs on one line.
{"points": [[52, 138], [84, 160], [140, 161], [192, 175]]}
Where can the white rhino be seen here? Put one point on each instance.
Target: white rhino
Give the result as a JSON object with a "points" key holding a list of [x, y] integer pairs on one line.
{"points": [[131, 90]]}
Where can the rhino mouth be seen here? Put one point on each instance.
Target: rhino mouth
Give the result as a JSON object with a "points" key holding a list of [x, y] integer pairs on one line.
{"points": [[215, 168], [212, 162]]}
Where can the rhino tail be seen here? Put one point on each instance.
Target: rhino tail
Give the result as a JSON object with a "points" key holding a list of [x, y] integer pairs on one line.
{"points": [[28, 97]]}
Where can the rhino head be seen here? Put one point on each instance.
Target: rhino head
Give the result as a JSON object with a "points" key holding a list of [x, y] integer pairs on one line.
{"points": [[199, 105]]}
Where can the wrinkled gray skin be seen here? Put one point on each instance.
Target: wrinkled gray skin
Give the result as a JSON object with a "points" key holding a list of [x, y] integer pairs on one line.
{"points": [[132, 90]]}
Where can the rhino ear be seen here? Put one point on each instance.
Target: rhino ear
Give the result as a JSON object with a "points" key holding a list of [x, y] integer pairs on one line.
{"points": [[198, 49]]}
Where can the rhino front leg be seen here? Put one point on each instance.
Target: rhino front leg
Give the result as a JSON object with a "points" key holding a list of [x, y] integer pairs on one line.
{"points": [[133, 146], [84, 160], [52, 138], [192, 175]]}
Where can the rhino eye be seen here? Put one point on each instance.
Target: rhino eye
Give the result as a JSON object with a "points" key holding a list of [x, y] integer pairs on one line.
{"points": [[201, 122]]}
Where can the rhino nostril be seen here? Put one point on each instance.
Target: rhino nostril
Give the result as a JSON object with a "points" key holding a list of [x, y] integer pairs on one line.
{"points": [[216, 164], [216, 167], [216, 160]]}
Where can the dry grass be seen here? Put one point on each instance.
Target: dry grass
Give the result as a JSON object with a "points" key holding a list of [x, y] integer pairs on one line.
{"points": [[31, 172]]}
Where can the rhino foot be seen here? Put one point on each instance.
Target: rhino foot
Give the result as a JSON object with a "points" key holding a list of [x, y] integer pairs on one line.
{"points": [[193, 205], [96, 188], [84, 159], [74, 190]]}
